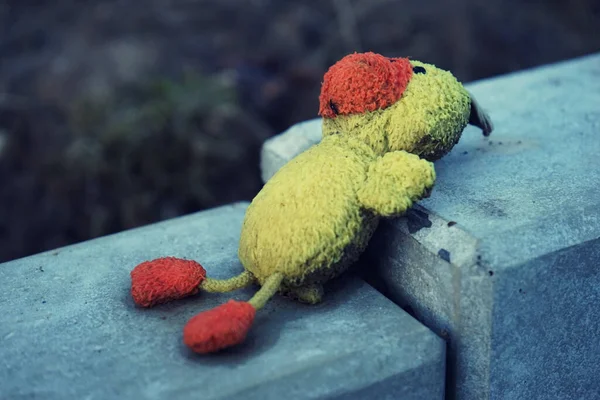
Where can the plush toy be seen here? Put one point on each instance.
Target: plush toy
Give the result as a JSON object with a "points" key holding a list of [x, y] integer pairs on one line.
{"points": [[385, 120]]}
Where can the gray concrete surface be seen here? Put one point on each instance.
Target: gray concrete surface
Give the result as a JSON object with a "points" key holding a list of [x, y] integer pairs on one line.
{"points": [[503, 258], [279, 149], [69, 329]]}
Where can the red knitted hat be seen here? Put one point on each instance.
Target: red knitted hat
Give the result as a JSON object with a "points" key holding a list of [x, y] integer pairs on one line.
{"points": [[363, 82]]}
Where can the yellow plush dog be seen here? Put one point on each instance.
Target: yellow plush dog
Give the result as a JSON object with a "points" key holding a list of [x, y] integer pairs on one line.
{"points": [[384, 121]]}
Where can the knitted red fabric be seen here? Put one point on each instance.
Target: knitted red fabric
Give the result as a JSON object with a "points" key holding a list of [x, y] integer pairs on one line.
{"points": [[363, 82], [221, 327], [165, 279]]}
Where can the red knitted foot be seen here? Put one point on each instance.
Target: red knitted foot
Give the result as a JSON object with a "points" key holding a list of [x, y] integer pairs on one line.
{"points": [[165, 279], [221, 327]]}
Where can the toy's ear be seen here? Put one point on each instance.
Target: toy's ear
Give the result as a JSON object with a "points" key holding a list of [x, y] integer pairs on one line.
{"points": [[480, 118]]}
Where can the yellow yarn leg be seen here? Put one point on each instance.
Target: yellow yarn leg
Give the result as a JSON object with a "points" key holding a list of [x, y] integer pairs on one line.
{"points": [[268, 290], [227, 285]]}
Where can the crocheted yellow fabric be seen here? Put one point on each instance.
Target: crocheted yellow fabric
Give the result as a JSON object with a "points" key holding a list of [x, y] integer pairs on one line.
{"points": [[315, 215], [384, 121]]}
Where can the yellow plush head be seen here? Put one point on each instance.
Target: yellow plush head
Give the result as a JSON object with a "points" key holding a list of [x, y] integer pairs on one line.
{"points": [[397, 104]]}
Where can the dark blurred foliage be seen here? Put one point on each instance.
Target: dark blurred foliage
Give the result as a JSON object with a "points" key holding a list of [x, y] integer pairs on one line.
{"points": [[119, 113]]}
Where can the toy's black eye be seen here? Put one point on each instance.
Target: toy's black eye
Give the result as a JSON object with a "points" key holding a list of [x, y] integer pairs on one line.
{"points": [[419, 70], [333, 107]]}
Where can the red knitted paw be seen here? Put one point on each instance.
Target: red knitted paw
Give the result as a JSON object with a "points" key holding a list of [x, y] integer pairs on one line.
{"points": [[221, 327], [165, 279]]}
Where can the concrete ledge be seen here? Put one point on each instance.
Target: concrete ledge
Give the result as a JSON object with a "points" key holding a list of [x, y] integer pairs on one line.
{"points": [[503, 258], [69, 329], [279, 149]]}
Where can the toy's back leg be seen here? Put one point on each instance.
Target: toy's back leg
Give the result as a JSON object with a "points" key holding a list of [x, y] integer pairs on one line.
{"points": [[228, 285], [169, 278], [228, 324]]}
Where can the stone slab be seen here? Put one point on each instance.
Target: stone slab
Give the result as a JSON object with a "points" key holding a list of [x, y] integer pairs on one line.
{"points": [[69, 329], [281, 148], [503, 258]]}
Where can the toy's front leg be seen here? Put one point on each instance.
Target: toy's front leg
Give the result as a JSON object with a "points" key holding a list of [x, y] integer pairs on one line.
{"points": [[395, 182], [309, 294]]}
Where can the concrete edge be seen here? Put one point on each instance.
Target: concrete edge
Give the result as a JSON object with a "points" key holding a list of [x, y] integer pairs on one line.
{"points": [[164, 223]]}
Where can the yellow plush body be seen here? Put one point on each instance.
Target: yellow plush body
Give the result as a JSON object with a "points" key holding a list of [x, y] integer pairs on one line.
{"points": [[316, 215]]}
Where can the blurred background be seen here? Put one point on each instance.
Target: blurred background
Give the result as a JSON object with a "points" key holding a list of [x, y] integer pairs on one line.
{"points": [[116, 114]]}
